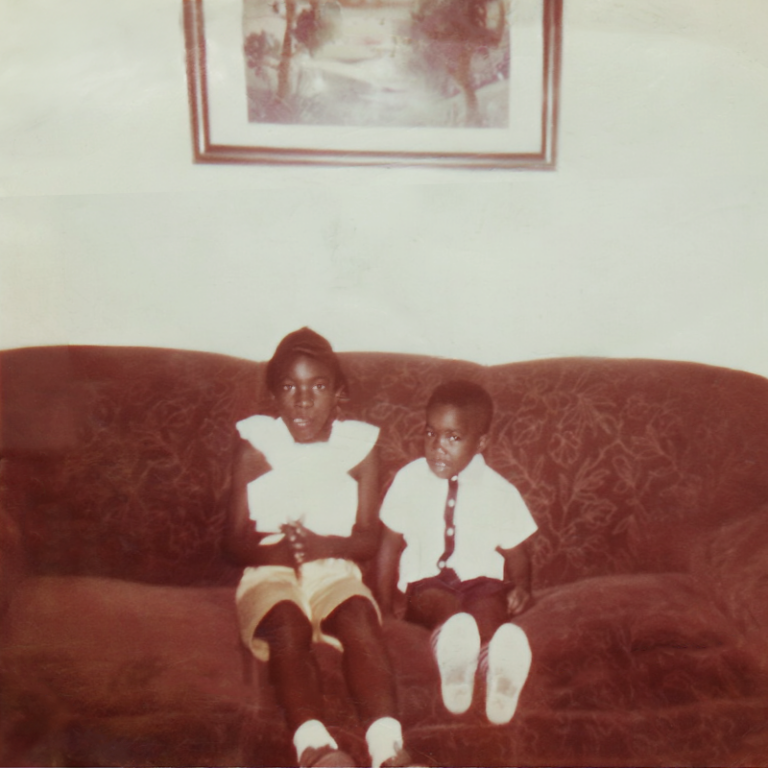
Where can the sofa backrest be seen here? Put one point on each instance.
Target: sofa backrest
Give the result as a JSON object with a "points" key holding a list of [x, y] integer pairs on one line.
{"points": [[116, 461]]}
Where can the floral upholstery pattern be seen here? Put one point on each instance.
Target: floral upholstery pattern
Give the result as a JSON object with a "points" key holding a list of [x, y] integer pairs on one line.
{"points": [[648, 481]]}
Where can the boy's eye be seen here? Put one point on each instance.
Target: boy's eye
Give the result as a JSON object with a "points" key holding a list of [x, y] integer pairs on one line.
{"points": [[454, 438], [429, 433], [321, 386], [287, 387]]}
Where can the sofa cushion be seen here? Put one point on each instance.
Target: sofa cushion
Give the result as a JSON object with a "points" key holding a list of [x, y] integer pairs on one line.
{"points": [[627, 670], [78, 651]]}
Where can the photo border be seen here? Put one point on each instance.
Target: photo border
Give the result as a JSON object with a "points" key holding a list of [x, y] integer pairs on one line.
{"points": [[204, 151]]}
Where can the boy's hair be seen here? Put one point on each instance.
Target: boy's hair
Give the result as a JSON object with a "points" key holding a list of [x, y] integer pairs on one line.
{"points": [[461, 393], [304, 342]]}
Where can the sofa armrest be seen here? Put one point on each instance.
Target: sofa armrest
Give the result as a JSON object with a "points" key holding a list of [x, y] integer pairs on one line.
{"points": [[13, 561], [729, 563]]}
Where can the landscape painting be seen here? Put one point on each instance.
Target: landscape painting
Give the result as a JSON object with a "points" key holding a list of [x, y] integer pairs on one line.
{"points": [[398, 63], [463, 83]]}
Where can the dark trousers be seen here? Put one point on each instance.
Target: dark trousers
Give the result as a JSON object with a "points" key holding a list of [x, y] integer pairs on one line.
{"points": [[431, 602]]}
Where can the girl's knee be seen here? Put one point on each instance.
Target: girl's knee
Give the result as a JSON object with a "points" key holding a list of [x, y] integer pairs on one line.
{"points": [[285, 627], [354, 616]]}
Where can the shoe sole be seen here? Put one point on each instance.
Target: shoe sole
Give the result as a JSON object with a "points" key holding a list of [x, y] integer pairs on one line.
{"points": [[457, 650], [509, 661]]}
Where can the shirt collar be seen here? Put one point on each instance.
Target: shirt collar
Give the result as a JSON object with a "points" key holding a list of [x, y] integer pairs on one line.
{"points": [[473, 471]]}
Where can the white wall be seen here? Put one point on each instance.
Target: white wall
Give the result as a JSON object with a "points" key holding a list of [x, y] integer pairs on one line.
{"points": [[649, 240]]}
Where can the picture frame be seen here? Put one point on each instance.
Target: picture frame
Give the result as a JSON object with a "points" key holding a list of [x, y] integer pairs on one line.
{"points": [[523, 99]]}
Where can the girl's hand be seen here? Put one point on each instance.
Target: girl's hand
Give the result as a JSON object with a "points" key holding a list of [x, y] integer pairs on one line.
{"points": [[305, 544]]}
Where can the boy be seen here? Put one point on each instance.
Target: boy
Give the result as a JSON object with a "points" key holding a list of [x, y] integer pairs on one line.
{"points": [[465, 569]]}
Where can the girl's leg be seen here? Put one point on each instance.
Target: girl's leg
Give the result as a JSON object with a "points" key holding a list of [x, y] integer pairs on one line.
{"points": [[369, 676], [292, 666], [296, 678], [367, 667]]}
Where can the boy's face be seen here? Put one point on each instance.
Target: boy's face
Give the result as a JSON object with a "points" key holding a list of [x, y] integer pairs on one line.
{"points": [[451, 439], [307, 398]]}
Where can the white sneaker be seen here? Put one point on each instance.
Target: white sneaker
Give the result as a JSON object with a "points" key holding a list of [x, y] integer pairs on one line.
{"points": [[457, 649], [509, 661]]}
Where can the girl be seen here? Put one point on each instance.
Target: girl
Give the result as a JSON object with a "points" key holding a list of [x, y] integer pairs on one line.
{"points": [[299, 530]]}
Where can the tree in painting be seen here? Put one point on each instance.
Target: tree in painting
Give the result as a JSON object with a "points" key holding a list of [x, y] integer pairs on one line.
{"points": [[450, 33], [305, 30]]}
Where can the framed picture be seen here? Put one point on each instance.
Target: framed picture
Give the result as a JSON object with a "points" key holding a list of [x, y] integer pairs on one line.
{"points": [[459, 83]]}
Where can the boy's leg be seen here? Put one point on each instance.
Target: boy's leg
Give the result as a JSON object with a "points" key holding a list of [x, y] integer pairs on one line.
{"points": [[431, 606], [368, 672], [509, 661], [489, 611], [436, 603], [295, 676], [457, 649]]}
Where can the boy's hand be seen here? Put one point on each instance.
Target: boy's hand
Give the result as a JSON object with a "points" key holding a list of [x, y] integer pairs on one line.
{"points": [[518, 599]]}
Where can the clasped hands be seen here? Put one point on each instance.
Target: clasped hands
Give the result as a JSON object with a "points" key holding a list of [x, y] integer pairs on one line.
{"points": [[302, 543]]}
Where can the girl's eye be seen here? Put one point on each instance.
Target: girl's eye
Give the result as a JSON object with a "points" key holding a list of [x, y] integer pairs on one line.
{"points": [[454, 438], [429, 433], [287, 387], [321, 387]]}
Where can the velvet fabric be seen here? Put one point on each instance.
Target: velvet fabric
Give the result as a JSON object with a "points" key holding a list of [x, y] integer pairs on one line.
{"points": [[118, 641]]}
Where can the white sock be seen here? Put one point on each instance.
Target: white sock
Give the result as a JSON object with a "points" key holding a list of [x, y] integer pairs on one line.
{"points": [[312, 733], [385, 739]]}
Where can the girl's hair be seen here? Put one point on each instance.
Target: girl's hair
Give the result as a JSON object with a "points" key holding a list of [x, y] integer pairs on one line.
{"points": [[461, 393], [304, 342]]}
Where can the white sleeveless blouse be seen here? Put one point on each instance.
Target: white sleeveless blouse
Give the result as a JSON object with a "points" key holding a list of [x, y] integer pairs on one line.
{"points": [[308, 481]]}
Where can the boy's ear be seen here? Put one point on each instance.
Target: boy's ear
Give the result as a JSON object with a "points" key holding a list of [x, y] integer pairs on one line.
{"points": [[482, 443]]}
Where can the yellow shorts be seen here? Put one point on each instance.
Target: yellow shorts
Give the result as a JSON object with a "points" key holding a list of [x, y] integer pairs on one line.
{"points": [[318, 589]]}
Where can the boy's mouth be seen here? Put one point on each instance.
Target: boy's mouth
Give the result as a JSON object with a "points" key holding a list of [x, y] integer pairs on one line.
{"points": [[439, 466]]}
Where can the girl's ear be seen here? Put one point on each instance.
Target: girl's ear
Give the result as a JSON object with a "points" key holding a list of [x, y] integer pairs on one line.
{"points": [[482, 443], [342, 396]]}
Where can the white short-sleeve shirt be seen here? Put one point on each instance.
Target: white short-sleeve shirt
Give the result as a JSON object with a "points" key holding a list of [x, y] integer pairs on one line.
{"points": [[489, 512], [308, 481]]}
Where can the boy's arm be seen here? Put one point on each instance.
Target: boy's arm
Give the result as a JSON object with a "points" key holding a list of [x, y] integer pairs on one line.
{"points": [[517, 570], [364, 541], [242, 542]]}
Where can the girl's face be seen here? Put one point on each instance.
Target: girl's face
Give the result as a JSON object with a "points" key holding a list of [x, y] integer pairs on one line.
{"points": [[307, 399]]}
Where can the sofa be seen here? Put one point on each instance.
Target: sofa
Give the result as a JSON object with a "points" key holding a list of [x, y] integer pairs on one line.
{"points": [[118, 639]]}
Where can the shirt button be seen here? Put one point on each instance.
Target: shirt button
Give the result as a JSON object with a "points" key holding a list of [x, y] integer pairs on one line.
{"points": [[451, 531], [451, 502], [441, 563]]}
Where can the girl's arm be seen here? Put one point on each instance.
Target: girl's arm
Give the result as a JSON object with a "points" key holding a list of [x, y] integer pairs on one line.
{"points": [[242, 541], [364, 541], [387, 570]]}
